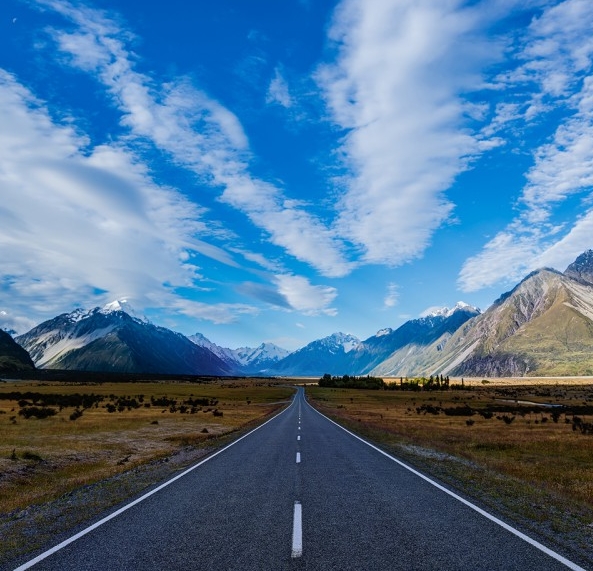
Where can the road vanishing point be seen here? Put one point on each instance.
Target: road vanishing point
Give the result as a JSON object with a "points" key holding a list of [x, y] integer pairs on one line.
{"points": [[299, 492]]}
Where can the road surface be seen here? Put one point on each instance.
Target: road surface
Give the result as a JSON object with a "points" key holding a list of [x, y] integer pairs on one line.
{"points": [[297, 493]]}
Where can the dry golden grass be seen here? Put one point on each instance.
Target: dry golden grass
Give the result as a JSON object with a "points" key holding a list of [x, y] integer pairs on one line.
{"points": [[41, 459], [532, 452], [515, 381]]}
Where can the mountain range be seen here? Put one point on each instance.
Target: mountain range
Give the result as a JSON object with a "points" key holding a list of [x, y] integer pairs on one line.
{"points": [[247, 360], [543, 326]]}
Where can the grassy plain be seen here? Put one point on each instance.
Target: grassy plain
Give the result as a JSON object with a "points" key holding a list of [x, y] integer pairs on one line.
{"points": [[526, 449], [82, 442]]}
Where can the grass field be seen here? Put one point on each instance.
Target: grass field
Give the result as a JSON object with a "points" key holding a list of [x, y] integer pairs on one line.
{"points": [[57, 437], [526, 448]]}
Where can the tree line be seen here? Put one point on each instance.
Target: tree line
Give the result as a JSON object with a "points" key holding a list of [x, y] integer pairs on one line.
{"points": [[432, 383]]}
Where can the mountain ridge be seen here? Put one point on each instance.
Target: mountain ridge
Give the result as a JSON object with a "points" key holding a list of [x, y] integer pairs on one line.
{"points": [[542, 326]]}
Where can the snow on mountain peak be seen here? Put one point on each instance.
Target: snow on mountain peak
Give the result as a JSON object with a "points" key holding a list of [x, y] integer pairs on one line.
{"points": [[448, 312], [244, 356], [117, 305], [123, 305], [347, 341], [383, 332]]}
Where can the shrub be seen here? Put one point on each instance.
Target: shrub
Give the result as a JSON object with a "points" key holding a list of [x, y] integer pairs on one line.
{"points": [[37, 412]]}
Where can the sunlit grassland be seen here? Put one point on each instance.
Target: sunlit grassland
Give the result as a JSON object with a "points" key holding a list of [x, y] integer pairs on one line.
{"points": [[505, 447], [44, 458]]}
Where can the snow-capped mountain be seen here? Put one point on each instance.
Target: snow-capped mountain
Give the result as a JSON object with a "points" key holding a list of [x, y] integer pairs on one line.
{"points": [[221, 352], [375, 354], [125, 306], [110, 339], [448, 312], [260, 359], [327, 355], [246, 359]]}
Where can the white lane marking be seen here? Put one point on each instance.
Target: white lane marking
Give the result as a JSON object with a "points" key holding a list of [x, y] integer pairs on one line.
{"points": [[299, 427], [482, 512], [298, 458], [297, 531], [299, 437], [72, 539]]}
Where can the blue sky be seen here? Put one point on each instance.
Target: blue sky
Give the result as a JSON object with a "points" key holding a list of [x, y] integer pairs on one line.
{"points": [[278, 171]]}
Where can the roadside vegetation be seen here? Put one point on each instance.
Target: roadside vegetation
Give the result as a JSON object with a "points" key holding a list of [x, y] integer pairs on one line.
{"points": [[526, 451], [56, 437]]}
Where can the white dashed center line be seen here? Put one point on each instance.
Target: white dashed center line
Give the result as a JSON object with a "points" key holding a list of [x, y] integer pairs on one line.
{"points": [[297, 531]]}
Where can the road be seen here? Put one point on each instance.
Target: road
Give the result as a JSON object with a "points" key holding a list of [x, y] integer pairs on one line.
{"points": [[298, 493]]}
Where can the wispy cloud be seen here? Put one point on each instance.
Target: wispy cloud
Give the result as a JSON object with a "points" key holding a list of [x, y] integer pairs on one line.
{"points": [[219, 313], [278, 91], [198, 133], [397, 90], [305, 297], [392, 296], [557, 57]]}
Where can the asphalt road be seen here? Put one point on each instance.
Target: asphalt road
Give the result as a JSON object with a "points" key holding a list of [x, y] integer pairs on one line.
{"points": [[299, 493]]}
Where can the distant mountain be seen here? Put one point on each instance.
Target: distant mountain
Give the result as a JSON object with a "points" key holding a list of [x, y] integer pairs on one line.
{"points": [[396, 352], [12, 356], [247, 360], [327, 355], [261, 359], [222, 353], [110, 339]]}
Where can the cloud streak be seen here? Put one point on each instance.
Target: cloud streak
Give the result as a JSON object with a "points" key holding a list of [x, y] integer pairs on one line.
{"points": [[396, 89]]}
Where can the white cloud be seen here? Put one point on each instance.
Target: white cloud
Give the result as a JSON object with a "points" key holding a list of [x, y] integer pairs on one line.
{"points": [[10, 322], [559, 50], [397, 90], [508, 257], [278, 91], [219, 313], [392, 296], [304, 297], [198, 133]]}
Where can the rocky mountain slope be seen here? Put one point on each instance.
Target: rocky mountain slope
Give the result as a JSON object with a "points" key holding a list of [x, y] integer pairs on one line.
{"points": [[543, 326], [389, 352], [110, 339]]}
